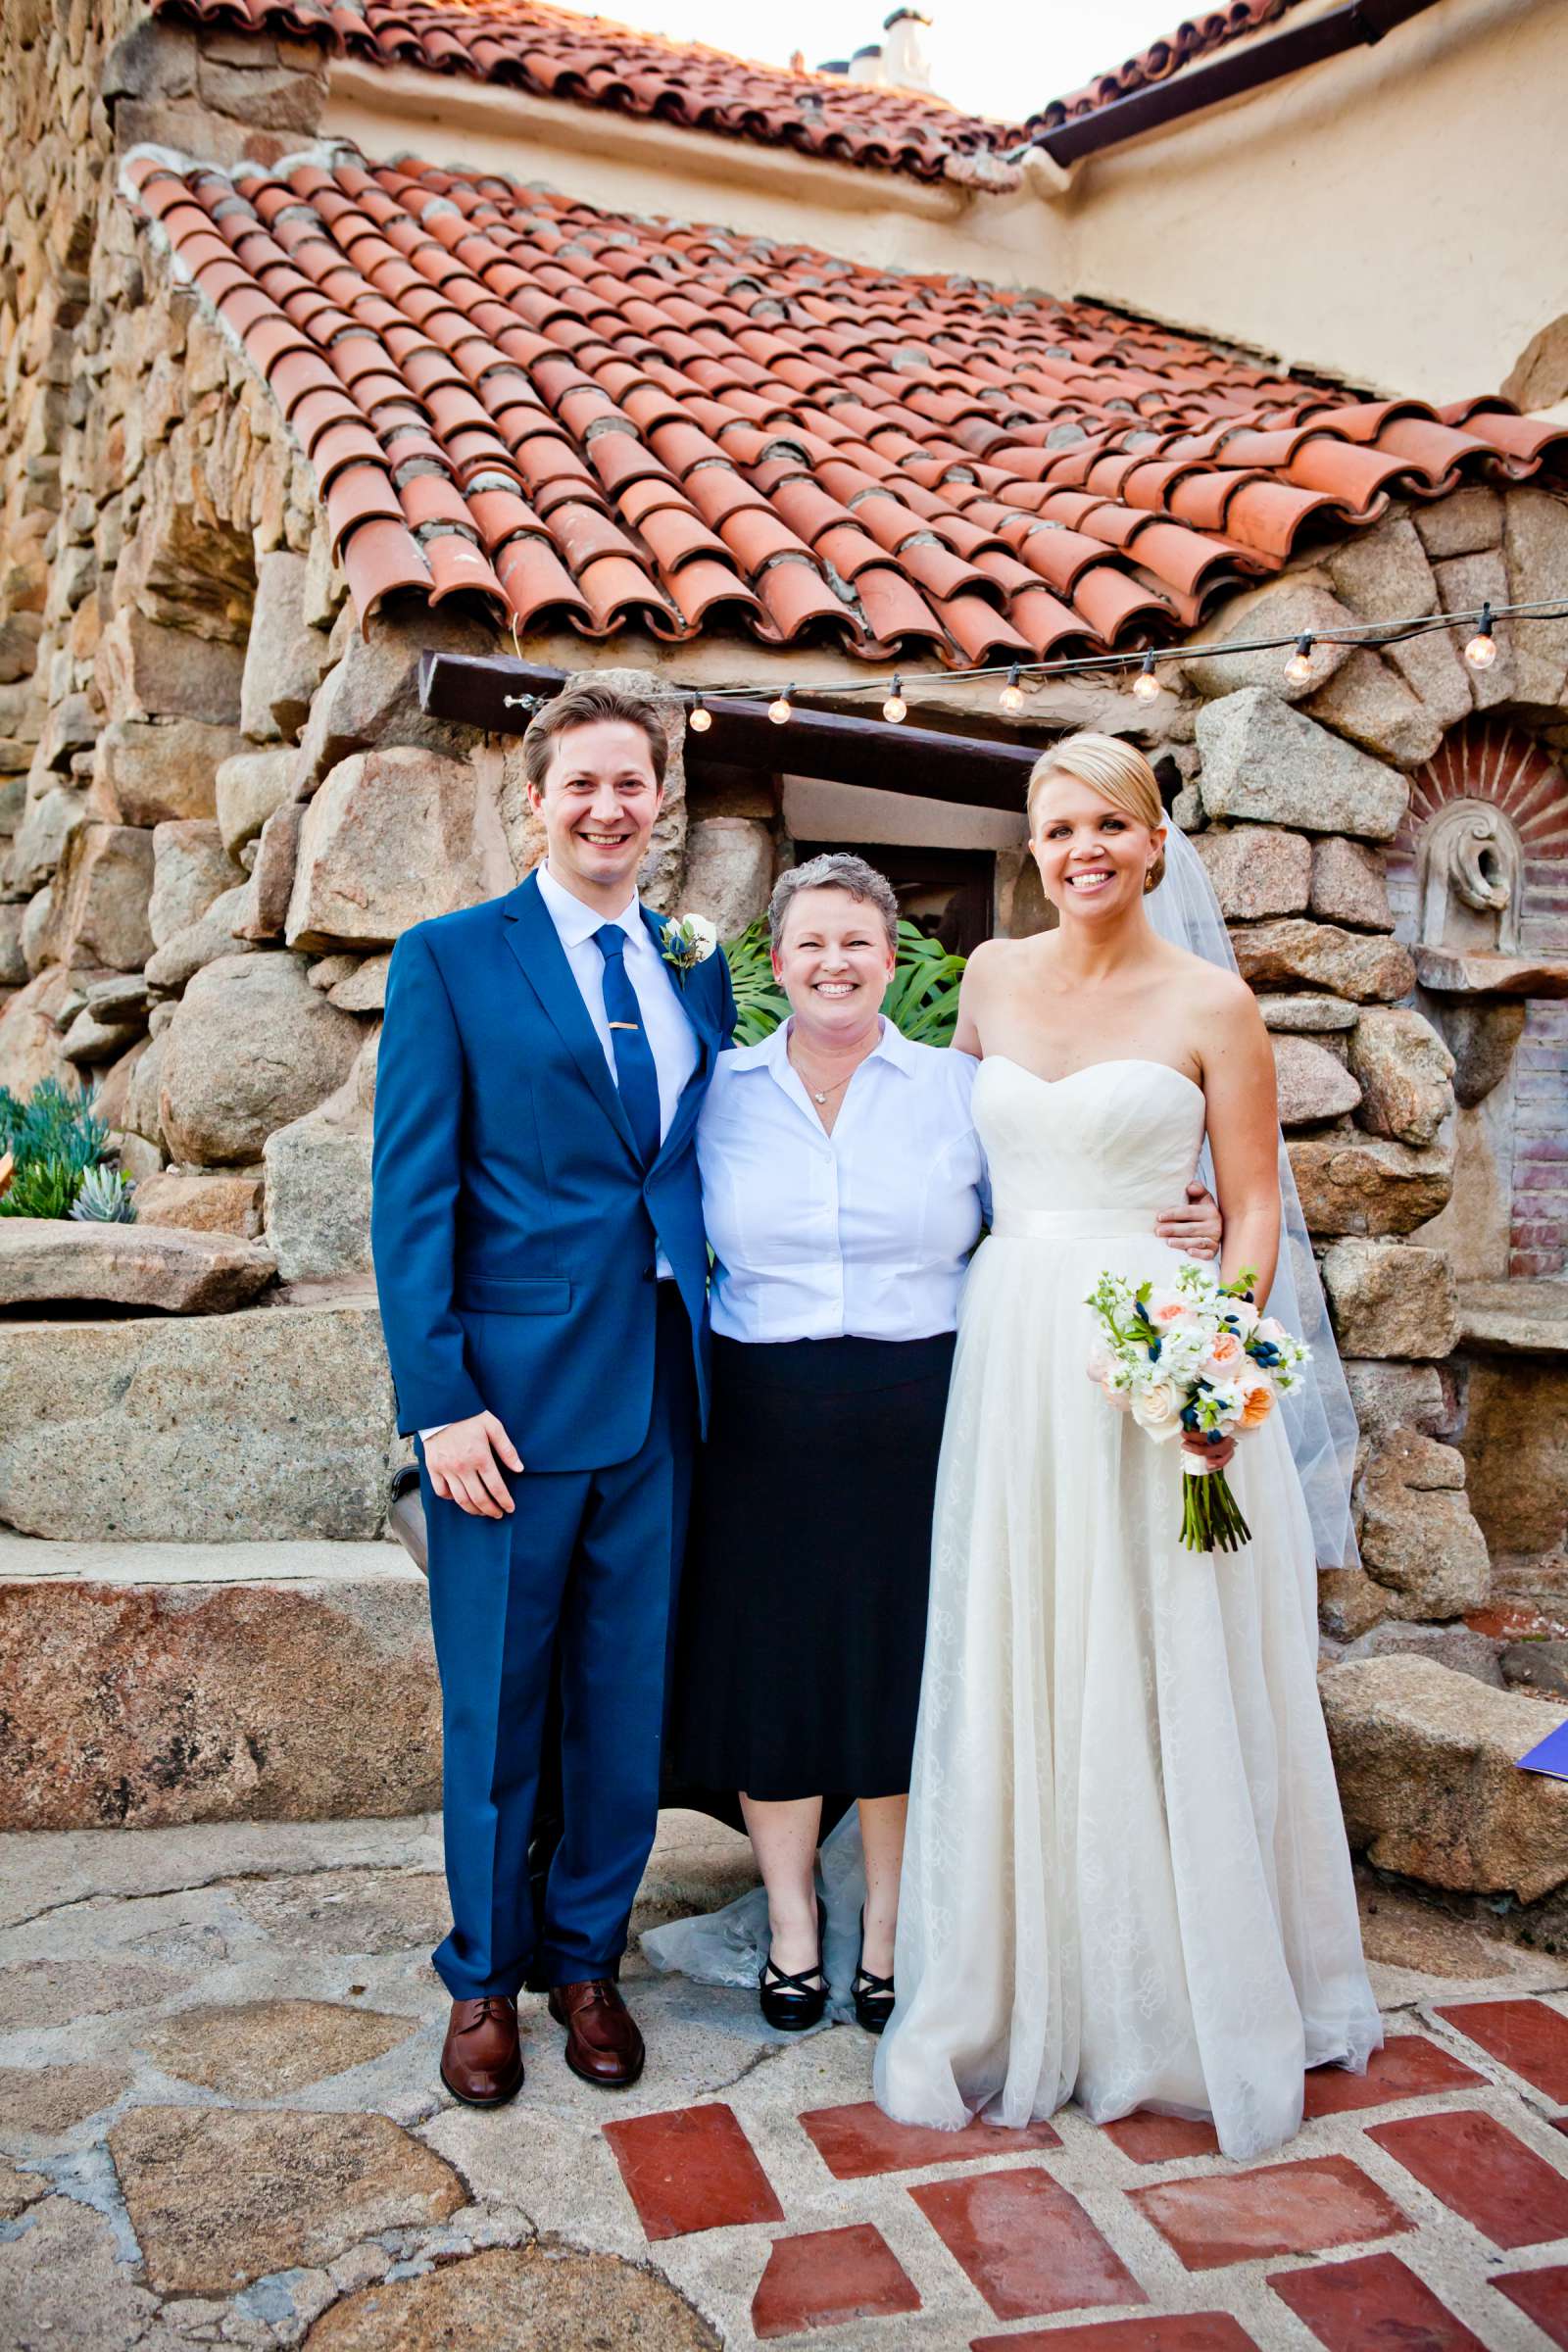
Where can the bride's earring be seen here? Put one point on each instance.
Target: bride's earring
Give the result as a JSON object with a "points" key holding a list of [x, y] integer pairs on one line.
{"points": [[1149, 880]]}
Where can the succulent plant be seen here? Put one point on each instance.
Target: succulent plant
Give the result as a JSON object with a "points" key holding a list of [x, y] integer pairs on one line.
{"points": [[104, 1198], [54, 1123], [55, 1141], [41, 1188]]}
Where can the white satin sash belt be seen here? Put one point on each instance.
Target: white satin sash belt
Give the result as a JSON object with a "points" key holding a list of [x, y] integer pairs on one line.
{"points": [[1074, 1224]]}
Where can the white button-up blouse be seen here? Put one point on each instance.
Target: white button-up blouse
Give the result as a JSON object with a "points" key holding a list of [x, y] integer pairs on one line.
{"points": [[860, 1233]]}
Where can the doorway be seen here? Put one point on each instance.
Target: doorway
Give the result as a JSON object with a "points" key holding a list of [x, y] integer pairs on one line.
{"points": [[945, 893]]}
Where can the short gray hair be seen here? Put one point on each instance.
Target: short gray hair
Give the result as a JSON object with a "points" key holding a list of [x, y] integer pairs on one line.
{"points": [[835, 869]]}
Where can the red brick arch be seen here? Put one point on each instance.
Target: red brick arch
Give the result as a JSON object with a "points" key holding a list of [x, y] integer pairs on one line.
{"points": [[1489, 759]]}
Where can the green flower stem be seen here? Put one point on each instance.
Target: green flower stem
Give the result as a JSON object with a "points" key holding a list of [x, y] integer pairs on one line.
{"points": [[1211, 1520]]}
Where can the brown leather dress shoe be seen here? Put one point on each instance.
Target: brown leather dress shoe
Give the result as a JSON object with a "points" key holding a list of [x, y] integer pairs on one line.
{"points": [[481, 2063], [602, 2043]]}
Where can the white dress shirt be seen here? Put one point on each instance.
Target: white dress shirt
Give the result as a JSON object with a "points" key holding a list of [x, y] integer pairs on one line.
{"points": [[670, 1034], [860, 1233]]}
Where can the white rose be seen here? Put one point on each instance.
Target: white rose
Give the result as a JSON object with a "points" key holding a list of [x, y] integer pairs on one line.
{"points": [[1154, 1410]]}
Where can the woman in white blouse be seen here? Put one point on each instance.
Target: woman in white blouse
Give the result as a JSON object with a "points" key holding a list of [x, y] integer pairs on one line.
{"points": [[843, 1192]]}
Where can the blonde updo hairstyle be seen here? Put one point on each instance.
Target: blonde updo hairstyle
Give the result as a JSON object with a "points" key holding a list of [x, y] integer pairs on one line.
{"points": [[1116, 770]]}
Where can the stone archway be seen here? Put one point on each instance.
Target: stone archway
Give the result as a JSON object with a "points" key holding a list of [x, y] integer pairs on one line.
{"points": [[1481, 862]]}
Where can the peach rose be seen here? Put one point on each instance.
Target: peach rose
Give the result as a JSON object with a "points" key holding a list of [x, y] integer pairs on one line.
{"points": [[1225, 1349], [1258, 1407]]}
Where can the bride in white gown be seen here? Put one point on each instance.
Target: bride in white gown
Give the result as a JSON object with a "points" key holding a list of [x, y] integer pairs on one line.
{"points": [[1125, 1877]]}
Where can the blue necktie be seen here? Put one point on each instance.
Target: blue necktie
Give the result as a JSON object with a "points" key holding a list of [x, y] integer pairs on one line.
{"points": [[636, 1072]]}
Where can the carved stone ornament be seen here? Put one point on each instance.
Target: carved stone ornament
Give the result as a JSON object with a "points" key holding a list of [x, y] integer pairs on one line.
{"points": [[1470, 871]]}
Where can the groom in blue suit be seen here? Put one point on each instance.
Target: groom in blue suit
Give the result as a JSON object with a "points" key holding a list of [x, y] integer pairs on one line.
{"points": [[539, 1252]]}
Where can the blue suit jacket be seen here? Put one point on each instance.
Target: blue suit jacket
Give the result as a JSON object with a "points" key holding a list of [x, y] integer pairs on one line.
{"points": [[513, 1225]]}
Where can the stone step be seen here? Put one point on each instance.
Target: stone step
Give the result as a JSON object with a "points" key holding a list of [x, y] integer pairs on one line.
{"points": [[273, 1424], [48, 1260], [1427, 1767], [153, 1683]]}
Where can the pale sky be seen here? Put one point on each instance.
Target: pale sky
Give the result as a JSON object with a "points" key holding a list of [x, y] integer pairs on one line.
{"points": [[992, 57]]}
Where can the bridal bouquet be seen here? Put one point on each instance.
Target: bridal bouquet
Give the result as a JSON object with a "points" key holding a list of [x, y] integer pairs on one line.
{"points": [[1194, 1357]]}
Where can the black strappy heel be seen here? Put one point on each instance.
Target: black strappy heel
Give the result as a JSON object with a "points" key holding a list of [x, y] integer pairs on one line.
{"points": [[792, 2003], [873, 1996]]}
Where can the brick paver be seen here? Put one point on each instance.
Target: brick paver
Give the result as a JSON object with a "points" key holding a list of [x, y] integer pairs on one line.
{"points": [[1159, 2138], [1176, 2331], [1301, 2208], [824, 2277], [1026, 2243], [858, 2141], [1483, 2173], [1526, 2036], [1407, 2067], [691, 2169], [1372, 2305], [1544, 2295]]}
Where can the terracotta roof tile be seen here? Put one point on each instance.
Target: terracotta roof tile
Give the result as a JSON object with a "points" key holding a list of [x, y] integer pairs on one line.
{"points": [[1196, 37], [484, 441], [590, 61]]}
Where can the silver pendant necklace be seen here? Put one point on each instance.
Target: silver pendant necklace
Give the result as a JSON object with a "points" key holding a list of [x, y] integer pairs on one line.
{"points": [[820, 1094]]}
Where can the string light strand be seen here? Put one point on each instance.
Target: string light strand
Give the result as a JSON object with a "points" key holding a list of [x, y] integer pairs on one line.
{"points": [[1480, 651]]}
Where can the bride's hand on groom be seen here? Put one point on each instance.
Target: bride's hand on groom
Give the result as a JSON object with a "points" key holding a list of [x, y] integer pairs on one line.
{"points": [[462, 1462], [1195, 1227]]}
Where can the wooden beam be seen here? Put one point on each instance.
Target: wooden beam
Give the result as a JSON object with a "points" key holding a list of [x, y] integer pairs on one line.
{"points": [[966, 771]]}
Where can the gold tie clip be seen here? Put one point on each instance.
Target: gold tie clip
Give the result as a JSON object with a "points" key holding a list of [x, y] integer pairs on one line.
{"points": [[633, 1025]]}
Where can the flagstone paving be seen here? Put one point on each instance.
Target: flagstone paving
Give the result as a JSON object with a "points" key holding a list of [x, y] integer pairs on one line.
{"points": [[220, 2123]]}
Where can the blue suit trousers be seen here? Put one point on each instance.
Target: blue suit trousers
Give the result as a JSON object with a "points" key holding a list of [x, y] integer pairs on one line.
{"points": [[586, 1568]]}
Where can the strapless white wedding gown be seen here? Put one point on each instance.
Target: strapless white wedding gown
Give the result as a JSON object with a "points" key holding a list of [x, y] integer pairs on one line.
{"points": [[1126, 1877]]}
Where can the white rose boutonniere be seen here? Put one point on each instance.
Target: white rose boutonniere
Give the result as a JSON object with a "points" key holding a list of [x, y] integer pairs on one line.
{"points": [[688, 940]]}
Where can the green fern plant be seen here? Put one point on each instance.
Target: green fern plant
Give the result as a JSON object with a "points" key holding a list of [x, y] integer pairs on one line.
{"points": [[922, 998], [759, 1001], [104, 1198]]}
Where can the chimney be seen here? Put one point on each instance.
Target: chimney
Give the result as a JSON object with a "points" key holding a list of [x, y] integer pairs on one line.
{"points": [[898, 62], [905, 65]]}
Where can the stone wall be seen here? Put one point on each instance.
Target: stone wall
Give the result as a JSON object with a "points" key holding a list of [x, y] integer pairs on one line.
{"points": [[1300, 802], [143, 477]]}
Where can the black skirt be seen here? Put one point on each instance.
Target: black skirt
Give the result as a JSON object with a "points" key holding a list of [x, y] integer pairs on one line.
{"points": [[803, 1607]]}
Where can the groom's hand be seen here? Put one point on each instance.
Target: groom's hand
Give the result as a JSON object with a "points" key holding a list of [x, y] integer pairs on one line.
{"points": [[1195, 1227], [463, 1461]]}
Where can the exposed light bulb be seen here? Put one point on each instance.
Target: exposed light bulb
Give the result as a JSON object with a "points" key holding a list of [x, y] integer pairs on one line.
{"points": [[780, 712], [699, 719], [1298, 668], [1012, 692], [1146, 685], [1482, 650], [896, 707]]}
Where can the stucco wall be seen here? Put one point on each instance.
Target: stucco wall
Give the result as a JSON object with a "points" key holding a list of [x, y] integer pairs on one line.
{"points": [[1396, 215]]}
